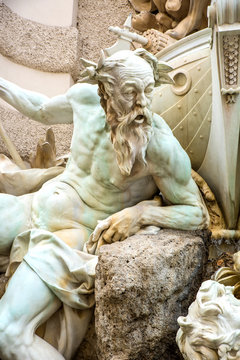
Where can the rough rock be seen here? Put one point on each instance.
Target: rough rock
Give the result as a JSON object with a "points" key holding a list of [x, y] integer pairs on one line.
{"points": [[3, 283], [142, 285], [25, 133]]}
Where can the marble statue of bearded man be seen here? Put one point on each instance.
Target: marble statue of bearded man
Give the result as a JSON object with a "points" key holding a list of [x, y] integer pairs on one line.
{"points": [[121, 156]]}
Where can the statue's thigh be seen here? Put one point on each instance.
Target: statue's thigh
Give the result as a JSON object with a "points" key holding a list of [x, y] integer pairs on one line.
{"points": [[15, 217], [75, 238]]}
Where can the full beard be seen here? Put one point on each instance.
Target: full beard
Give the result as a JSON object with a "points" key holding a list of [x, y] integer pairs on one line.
{"points": [[130, 135]]}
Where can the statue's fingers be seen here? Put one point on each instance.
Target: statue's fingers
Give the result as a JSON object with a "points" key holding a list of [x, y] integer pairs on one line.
{"points": [[103, 225], [109, 234], [116, 237], [163, 40]]}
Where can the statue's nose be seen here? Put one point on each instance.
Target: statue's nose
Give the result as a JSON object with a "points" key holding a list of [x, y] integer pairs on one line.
{"points": [[141, 99]]}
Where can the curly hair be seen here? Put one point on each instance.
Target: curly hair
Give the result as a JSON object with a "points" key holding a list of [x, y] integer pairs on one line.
{"points": [[208, 331]]}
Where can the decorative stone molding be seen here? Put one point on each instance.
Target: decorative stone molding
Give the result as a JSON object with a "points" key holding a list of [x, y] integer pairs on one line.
{"points": [[231, 55], [47, 12], [47, 83], [228, 12]]}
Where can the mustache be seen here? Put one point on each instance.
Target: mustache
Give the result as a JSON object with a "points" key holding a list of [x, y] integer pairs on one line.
{"points": [[138, 116]]}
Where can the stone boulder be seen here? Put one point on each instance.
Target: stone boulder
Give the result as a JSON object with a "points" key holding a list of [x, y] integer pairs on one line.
{"points": [[143, 285]]}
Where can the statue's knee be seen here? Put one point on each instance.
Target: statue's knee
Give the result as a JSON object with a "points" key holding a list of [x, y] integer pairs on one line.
{"points": [[11, 338]]}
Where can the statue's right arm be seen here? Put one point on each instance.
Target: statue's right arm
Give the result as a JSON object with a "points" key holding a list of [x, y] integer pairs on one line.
{"points": [[56, 110]]}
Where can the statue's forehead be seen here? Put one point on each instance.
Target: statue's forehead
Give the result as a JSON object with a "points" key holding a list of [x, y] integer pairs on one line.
{"points": [[133, 70]]}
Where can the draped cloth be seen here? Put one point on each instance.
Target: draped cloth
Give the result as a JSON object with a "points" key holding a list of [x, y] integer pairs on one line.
{"points": [[70, 274]]}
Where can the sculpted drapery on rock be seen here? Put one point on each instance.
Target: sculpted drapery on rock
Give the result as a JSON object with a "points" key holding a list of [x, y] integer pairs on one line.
{"points": [[121, 156]]}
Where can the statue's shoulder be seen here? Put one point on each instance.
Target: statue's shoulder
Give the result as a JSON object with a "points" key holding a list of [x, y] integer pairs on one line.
{"points": [[84, 93], [160, 124], [161, 136], [164, 149]]}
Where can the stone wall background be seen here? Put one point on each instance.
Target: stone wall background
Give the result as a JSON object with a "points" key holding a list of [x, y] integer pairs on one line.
{"points": [[50, 55]]}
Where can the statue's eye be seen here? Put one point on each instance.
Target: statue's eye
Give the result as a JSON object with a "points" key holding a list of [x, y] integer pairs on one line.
{"points": [[148, 90], [128, 92]]}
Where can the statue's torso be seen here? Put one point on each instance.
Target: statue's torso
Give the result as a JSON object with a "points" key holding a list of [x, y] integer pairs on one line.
{"points": [[93, 170]]}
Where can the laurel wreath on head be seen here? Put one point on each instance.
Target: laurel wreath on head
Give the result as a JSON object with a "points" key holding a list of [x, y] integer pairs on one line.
{"points": [[160, 68]]}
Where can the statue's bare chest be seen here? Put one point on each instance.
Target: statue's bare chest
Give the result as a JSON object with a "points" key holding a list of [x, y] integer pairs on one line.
{"points": [[96, 157], [104, 167], [94, 154]]}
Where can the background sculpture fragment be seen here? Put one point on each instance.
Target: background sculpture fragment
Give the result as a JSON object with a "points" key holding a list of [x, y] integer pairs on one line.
{"points": [[174, 18], [211, 330]]}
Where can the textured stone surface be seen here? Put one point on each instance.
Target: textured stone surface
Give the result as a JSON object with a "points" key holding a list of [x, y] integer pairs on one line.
{"points": [[142, 285], [47, 48], [3, 283], [93, 22], [25, 133]]}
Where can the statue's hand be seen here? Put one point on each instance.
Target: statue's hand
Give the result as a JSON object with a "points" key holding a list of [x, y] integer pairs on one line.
{"points": [[119, 226], [122, 224]]}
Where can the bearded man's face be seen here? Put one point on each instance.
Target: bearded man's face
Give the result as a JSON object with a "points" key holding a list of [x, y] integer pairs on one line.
{"points": [[133, 87], [128, 112]]}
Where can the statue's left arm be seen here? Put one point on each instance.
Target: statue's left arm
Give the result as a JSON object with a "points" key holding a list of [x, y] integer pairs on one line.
{"points": [[170, 167], [185, 209]]}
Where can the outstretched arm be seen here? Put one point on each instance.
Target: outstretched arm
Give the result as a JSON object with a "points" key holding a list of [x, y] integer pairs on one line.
{"points": [[56, 110]]}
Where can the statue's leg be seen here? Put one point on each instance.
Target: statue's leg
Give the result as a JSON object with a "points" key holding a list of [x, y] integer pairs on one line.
{"points": [[27, 303], [14, 218], [69, 273]]}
